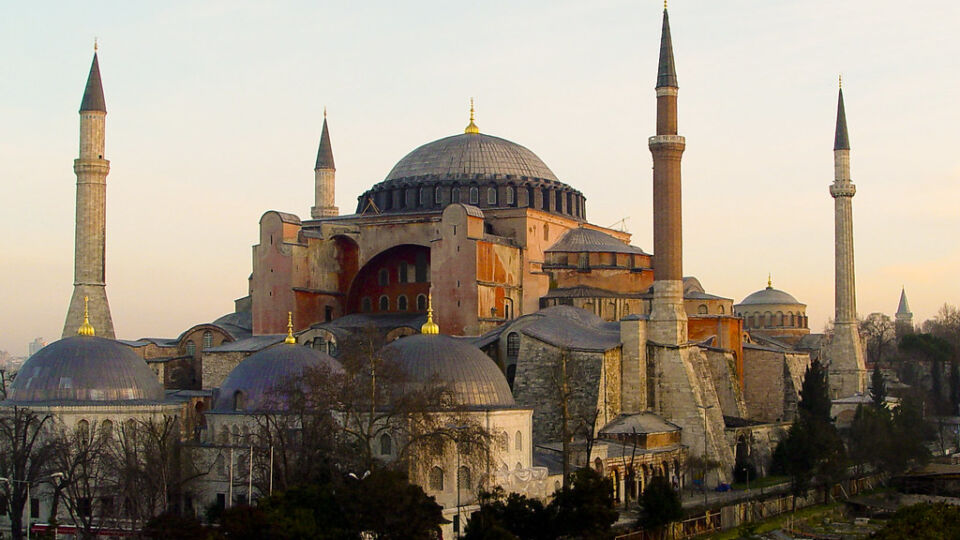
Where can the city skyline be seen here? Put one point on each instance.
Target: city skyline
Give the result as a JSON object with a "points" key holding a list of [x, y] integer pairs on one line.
{"points": [[214, 115]]}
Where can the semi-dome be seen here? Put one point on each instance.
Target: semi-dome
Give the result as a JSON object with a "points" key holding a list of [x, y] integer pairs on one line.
{"points": [[85, 369], [247, 386], [471, 168], [769, 296], [473, 377]]}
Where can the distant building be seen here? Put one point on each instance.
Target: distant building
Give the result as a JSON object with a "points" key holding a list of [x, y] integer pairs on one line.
{"points": [[35, 346]]}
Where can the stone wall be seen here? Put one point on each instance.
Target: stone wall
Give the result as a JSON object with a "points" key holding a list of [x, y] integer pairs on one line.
{"points": [[772, 381], [217, 365], [723, 372]]}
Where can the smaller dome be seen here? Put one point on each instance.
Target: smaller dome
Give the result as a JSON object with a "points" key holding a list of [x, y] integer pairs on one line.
{"points": [[85, 368], [769, 296], [474, 378], [259, 373], [584, 240]]}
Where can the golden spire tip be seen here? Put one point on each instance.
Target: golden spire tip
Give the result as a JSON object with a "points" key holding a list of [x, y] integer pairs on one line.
{"points": [[664, 5], [471, 127], [290, 339], [86, 329], [324, 112], [840, 81], [769, 281], [94, 44], [430, 327]]}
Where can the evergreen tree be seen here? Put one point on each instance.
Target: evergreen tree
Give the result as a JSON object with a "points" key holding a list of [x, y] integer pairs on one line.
{"points": [[660, 506], [878, 388], [814, 393]]}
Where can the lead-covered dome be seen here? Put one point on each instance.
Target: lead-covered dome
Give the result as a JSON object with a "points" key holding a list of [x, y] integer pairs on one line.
{"points": [[473, 377], [769, 296], [471, 168], [85, 369], [248, 385]]}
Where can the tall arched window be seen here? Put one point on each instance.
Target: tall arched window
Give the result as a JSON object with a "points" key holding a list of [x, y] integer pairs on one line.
{"points": [[403, 272], [383, 277], [386, 445], [436, 195], [423, 196], [83, 431], [491, 195], [463, 478], [384, 303], [513, 345], [238, 401], [421, 302], [401, 303], [511, 196], [191, 348], [455, 194], [106, 427], [721, 310], [436, 479], [546, 231], [207, 340], [518, 441], [702, 309], [474, 195]]}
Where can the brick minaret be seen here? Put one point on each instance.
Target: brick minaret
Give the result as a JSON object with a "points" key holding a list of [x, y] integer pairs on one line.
{"points": [[89, 247], [324, 175], [668, 321], [847, 370]]}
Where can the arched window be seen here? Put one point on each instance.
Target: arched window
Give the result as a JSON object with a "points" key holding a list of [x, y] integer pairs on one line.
{"points": [[721, 310], [401, 303], [403, 272], [238, 401], [436, 195], [421, 302], [423, 196], [383, 277], [598, 465], [558, 206], [702, 309], [793, 320], [491, 195], [83, 431], [191, 348], [463, 478], [455, 194], [386, 445], [436, 479], [518, 466], [518, 441], [384, 303], [106, 427], [207, 340], [779, 318], [513, 345], [546, 231], [511, 196], [474, 195], [365, 305]]}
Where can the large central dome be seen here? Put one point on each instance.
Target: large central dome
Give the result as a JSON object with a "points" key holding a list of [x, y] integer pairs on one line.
{"points": [[469, 155], [471, 168]]}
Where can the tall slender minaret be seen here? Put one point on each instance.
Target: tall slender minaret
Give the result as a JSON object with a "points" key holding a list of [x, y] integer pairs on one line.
{"points": [[847, 371], [668, 320], [89, 245], [324, 175]]}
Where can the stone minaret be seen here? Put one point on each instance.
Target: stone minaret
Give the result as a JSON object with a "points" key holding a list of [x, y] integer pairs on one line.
{"points": [[904, 317], [89, 247], [668, 320], [847, 371], [324, 175]]}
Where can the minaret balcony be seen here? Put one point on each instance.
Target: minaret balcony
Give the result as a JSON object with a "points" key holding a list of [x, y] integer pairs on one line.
{"points": [[843, 190], [667, 141]]}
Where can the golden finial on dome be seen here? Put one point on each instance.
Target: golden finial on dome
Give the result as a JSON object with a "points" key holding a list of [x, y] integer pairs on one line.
{"points": [[290, 339], [324, 112], [86, 329], [769, 281], [94, 44], [664, 5], [840, 81], [430, 327], [471, 127]]}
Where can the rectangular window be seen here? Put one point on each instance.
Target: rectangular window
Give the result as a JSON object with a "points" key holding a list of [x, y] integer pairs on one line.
{"points": [[34, 508], [421, 268]]}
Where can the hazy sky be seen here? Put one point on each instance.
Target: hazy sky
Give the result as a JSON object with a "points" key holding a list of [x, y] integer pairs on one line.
{"points": [[215, 109]]}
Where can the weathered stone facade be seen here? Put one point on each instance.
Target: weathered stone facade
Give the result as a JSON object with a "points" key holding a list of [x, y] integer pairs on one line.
{"points": [[772, 382]]}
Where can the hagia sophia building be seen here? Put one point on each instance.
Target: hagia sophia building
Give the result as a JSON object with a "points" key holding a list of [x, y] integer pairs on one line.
{"points": [[483, 234]]}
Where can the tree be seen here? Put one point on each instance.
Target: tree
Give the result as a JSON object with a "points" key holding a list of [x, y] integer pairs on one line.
{"points": [[812, 450], [945, 325], [880, 333], [936, 352], [878, 388], [586, 509], [660, 505], [924, 521], [508, 516], [25, 452], [88, 485], [172, 525]]}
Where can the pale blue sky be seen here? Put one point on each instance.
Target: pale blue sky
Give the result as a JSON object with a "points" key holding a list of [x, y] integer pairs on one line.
{"points": [[214, 112]]}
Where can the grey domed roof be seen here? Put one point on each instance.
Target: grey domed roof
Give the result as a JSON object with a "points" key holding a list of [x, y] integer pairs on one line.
{"points": [[470, 155], [584, 240], [84, 369], [473, 376], [259, 373], [769, 296]]}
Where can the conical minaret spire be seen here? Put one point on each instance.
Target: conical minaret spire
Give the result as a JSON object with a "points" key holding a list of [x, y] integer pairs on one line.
{"points": [[667, 316], [847, 371], [89, 276], [324, 177]]}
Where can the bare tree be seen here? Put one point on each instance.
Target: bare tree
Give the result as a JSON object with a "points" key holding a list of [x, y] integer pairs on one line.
{"points": [[880, 333], [25, 453], [578, 412], [88, 485]]}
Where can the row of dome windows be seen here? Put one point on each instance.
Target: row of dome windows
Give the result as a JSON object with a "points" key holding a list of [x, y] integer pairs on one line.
{"points": [[419, 272], [366, 304], [555, 200], [207, 343], [779, 319]]}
